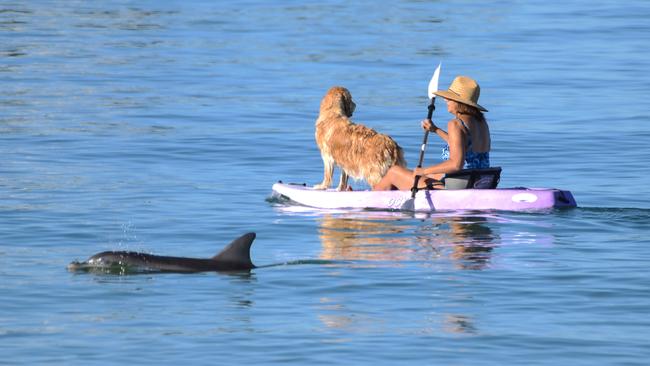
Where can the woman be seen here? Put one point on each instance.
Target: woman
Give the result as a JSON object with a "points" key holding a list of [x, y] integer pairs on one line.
{"points": [[467, 137]]}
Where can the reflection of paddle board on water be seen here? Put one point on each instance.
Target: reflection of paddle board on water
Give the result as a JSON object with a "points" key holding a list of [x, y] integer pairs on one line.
{"points": [[507, 199]]}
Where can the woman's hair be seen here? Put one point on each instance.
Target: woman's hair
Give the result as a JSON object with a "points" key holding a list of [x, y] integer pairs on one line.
{"points": [[472, 111]]}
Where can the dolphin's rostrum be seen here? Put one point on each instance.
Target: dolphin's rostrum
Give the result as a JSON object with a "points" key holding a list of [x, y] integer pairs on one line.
{"points": [[234, 257]]}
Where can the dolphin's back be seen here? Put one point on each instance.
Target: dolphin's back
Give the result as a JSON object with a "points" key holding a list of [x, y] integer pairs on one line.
{"points": [[234, 257]]}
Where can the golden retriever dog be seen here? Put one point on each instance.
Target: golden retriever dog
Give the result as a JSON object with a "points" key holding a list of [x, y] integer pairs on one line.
{"points": [[360, 152]]}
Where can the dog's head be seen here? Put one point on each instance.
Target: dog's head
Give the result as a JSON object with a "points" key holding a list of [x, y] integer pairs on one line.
{"points": [[338, 100]]}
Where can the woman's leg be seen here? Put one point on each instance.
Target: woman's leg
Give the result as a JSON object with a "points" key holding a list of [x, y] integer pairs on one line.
{"points": [[398, 177], [402, 179]]}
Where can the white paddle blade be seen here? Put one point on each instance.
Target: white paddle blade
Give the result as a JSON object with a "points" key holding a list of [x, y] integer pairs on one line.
{"points": [[433, 84], [408, 205]]}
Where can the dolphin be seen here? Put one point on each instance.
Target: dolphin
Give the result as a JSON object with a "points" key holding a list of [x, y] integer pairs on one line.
{"points": [[234, 257]]}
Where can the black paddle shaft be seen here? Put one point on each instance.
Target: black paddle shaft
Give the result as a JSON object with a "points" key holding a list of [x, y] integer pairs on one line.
{"points": [[431, 107]]}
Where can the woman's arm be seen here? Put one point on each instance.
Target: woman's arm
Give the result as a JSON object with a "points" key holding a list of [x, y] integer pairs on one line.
{"points": [[456, 141], [427, 124]]}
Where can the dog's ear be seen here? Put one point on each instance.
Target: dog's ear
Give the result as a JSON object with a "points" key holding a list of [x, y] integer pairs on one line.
{"points": [[348, 105]]}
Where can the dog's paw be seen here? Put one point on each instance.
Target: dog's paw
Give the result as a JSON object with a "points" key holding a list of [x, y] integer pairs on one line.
{"points": [[320, 186]]}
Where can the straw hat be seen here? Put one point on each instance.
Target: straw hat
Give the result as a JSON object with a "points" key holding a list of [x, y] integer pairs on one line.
{"points": [[463, 90]]}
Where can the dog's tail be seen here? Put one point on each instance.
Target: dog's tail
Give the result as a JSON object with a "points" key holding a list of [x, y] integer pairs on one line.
{"points": [[391, 156], [399, 157]]}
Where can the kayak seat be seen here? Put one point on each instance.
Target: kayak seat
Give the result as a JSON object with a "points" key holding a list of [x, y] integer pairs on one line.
{"points": [[487, 178]]}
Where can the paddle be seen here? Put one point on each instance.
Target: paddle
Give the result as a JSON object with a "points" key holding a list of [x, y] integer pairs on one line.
{"points": [[433, 87]]}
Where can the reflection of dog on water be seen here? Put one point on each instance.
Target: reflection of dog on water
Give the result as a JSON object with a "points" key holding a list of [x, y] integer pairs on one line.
{"points": [[389, 238], [363, 239]]}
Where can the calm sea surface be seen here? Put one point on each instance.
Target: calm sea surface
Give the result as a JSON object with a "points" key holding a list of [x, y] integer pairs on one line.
{"points": [[160, 126]]}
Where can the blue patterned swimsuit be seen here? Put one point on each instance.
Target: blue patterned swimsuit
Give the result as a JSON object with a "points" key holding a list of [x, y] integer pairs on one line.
{"points": [[473, 160]]}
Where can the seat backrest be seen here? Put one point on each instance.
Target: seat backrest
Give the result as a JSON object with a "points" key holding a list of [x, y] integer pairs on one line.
{"points": [[487, 178]]}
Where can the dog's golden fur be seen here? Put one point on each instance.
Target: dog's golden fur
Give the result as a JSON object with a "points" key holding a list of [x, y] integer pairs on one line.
{"points": [[360, 152]]}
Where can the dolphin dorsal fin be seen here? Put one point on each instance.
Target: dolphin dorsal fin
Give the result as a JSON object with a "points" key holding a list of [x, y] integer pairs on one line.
{"points": [[238, 251]]}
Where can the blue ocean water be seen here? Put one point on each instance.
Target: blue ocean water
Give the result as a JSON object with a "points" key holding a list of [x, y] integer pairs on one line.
{"points": [[160, 126]]}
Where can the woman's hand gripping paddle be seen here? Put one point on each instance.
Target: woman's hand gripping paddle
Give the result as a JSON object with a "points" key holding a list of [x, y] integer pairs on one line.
{"points": [[433, 87]]}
